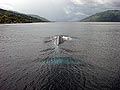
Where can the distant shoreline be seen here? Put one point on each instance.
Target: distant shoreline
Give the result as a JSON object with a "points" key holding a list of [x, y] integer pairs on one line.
{"points": [[92, 23]]}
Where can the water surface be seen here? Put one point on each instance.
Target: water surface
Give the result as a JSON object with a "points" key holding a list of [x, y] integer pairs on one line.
{"points": [[29, 59]]}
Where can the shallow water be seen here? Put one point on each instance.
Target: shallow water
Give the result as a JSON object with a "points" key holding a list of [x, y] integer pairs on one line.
{"points": [[29, 59]]}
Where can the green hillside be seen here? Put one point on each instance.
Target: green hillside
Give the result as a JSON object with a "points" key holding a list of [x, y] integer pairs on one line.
{"points": [[38, 17], [106, 16], [14, 17]]}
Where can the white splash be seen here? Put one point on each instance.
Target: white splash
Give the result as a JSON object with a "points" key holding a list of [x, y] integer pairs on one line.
{"points": [[59, 39]]}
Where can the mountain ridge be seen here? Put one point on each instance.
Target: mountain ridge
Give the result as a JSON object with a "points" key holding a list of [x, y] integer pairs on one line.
{"points": [[106, 16], [38, 17], [16, 17]]}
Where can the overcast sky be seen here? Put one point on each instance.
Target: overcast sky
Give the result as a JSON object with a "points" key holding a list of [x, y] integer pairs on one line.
{"points": [[60, 10]]}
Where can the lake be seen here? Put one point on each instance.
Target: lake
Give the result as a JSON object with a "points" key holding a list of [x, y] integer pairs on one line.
{"points": [[30, 59]]}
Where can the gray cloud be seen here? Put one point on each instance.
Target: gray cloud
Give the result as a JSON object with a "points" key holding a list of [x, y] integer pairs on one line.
{"points": [[61, 10], [116, 4], [89, 7]]}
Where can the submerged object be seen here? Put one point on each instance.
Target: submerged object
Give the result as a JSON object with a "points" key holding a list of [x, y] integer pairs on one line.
{"points": [[59, 39]]}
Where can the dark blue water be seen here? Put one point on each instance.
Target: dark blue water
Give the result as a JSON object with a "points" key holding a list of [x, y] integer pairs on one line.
{"points": [[30, 59]]}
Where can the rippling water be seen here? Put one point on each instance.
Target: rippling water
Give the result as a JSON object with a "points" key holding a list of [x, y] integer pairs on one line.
{"points": [[30, 59]]}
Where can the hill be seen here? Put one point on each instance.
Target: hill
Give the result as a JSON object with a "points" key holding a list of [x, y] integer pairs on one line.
{"points": [[38, 17], [106, 16], [15, 17]]}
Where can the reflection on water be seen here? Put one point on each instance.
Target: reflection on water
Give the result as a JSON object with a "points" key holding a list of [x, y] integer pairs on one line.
{"points": [[87, 61]]}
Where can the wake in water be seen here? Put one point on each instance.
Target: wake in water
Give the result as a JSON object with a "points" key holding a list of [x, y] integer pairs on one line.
{"points": [[59, 66], [68, 70], [55, 42]]}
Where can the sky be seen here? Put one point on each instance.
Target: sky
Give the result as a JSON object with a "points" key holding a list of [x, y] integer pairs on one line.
{"points": [[60, 10]]}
